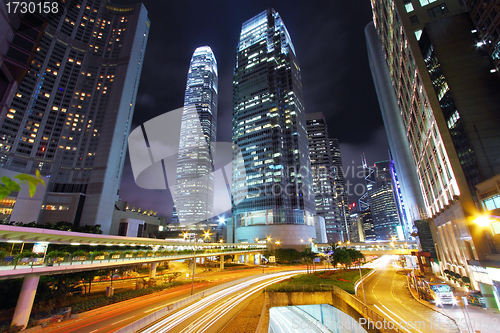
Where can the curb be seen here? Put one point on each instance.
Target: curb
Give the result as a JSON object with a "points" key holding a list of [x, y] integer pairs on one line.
{"points": [[363, 278]]}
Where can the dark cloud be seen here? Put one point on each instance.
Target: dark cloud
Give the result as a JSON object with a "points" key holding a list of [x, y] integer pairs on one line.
{"points": [[329, 40]]}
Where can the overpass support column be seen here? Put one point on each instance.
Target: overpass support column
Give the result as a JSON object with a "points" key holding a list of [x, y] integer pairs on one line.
{"points": [[25, 301], [251, 258], [246, 258], [222, 262], [152, 269]]}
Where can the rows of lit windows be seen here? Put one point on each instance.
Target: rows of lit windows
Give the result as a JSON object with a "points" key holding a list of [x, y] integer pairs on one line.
{"points": [[417, 115]]}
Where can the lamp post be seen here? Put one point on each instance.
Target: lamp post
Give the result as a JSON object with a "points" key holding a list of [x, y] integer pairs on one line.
{"points": [[194, 265], [362, 283]]}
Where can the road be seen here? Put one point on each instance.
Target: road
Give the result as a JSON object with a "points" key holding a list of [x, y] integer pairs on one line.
{"points": [[388, 295], [213, 312], [112, 317]]}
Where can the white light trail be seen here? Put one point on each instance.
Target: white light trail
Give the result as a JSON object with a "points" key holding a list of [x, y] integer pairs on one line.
{"points": [[175, 319]]}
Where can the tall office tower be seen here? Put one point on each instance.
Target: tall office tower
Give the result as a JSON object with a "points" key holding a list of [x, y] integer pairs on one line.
{"points": [[194, 183], [324, 180], [412, 203], [72, 112], [368, 227], [448, 101], [272, 189], [381, 196], [485, 17], [341, 188]]}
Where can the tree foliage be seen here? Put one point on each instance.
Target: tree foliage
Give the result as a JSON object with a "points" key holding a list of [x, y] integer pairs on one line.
{"points": [[8, 185]]}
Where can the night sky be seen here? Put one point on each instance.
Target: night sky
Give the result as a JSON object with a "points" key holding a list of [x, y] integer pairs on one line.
{"points": [[329, 41]]}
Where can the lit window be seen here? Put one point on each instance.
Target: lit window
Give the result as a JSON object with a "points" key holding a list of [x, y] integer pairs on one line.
{"points": [[418, 34], [426, 2]]}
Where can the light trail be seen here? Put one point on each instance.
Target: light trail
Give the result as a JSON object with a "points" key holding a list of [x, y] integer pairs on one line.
{"points": [[175, 319], [224, 308]]}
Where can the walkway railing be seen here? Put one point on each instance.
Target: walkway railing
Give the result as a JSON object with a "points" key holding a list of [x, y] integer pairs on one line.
{"points": [[101, 260]]}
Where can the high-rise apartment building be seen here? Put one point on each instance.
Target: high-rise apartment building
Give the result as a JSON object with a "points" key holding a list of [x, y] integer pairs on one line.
{"points": [[448, 104], [324, 176], [72, 112], [341, 188], [19, 35], [272, 186], [194, 183]]}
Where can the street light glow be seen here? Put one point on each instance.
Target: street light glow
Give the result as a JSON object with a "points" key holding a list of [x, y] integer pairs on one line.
{"points": [[483, 221]]}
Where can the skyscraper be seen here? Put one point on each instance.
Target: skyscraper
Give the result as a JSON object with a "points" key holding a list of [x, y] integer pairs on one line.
{"points": [[72, 112], [448, 104], [341, 188], [381, 196], [272, 191], [324, 176], [194, 183]]}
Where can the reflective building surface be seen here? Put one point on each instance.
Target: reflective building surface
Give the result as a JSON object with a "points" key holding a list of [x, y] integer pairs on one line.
{"points": [[194, 183], [324, 176], [272, 188]]}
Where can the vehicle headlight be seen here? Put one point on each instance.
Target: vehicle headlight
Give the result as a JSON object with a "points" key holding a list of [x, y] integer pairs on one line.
{"points": [[454, 300], [438, 301]]}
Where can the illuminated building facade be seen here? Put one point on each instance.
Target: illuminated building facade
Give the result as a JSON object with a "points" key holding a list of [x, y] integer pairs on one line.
{"points": [[448, 104], [71, 114], [323, 174], [341, 188], [194, 183], [381, 196], [272, 185]]}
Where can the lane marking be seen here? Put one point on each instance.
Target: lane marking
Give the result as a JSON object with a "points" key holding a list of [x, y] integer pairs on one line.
{"points": [[119, 321]]}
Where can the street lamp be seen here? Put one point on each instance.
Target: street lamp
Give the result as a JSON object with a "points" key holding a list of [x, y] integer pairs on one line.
{"points": [[207, 234]]}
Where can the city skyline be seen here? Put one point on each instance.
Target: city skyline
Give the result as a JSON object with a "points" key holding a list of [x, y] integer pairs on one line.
{"points": [[332, 94]]}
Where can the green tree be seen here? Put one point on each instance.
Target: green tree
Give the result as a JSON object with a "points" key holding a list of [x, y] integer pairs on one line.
{"points": [[355, 255], [287, 255], [172, 276]]}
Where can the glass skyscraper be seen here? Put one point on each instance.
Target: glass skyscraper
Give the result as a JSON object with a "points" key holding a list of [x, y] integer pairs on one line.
{"points": [[72, 112], [194, 184], [341, 188], [324, 176], [444, 86], [272, 185]]}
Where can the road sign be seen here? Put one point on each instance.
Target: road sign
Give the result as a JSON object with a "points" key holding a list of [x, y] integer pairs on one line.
{"points": [[317, 259], [272, 259]]}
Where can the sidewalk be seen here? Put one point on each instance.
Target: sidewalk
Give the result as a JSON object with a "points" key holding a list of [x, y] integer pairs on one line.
{"points": [[470, 318]]}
